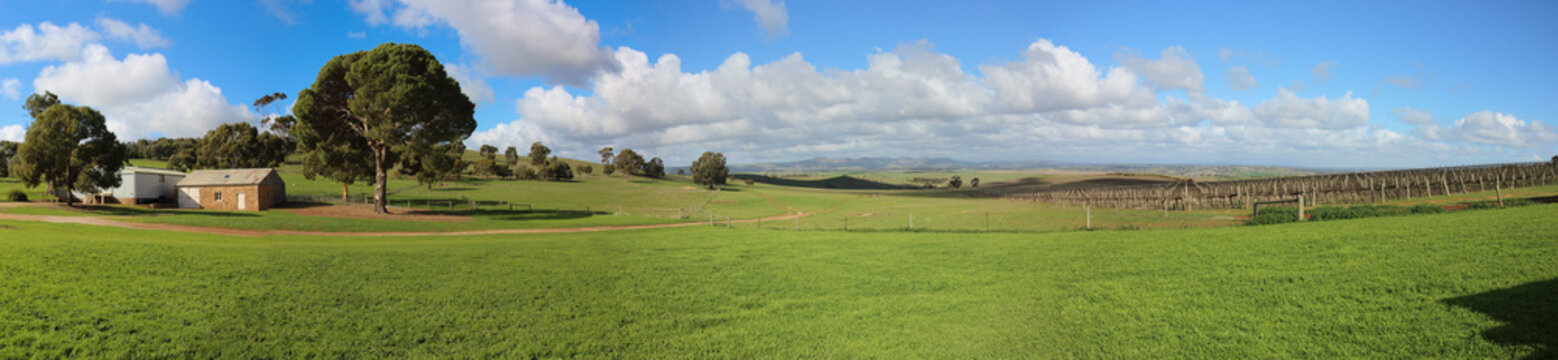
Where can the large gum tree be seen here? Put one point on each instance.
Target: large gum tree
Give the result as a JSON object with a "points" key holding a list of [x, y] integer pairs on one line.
{"points": [[392, 101], [69, 148]]}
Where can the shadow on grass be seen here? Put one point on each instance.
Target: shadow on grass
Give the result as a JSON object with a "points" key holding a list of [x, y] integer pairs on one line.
{"points": [[520, 215], [135, 211], [1529, 313]]}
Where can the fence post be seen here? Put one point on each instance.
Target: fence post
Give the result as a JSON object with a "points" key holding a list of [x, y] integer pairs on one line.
{"points": [[911, 221], [987, 221], [1300, 208], [797, 221], [1089, 209], [1498, 188]]}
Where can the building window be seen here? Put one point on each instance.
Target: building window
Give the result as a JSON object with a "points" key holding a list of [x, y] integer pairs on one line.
{"points": [[218, 196]]}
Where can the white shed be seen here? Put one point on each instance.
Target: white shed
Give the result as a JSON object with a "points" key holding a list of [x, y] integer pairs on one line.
{"points": [[138, 185]]}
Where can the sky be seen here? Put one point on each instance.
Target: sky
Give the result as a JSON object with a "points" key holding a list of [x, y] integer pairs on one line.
{"points": [[1344, 84]]}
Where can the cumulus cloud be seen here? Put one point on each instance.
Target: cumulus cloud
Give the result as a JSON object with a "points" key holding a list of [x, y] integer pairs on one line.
{"points": [[1050, 103], [1054, 78], [1175, 70], [471, 84], [140, 95], [771, 15], [15, 133], [11, 89], [1239, 78], [1492, 128], [359, 35], [142, 35], [167, 7], [46, 42], [527, 37], [1288, 110]]}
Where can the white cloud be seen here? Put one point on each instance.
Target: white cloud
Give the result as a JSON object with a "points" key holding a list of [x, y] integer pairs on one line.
{"points": [[1414, 116], [144, 36], [140, 95], [1501, 129], [45, 42], [772, 15], [1054, 78], [471, 84], [167, 7], [359, 35], [1176, 70], [528, 37], [1051, 103], [1322, 71], [11, 89], [282, 9], [15, 133], [1287, 110], [1297, 85], [1239, 78], [1404, 81]]}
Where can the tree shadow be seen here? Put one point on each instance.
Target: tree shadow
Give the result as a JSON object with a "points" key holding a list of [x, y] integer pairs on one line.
{"points": [[1529, 313], [111, 210], [523, 215]]}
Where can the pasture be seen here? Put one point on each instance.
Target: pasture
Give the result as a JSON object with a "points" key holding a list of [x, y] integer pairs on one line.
{"points": [[1458, 285]]}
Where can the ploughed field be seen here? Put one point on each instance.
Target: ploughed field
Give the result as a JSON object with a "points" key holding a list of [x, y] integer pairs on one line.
{"points": [[1475, 284]]}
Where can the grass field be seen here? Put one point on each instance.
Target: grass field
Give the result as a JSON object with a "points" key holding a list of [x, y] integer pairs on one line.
{"points": [[1459, 285]]}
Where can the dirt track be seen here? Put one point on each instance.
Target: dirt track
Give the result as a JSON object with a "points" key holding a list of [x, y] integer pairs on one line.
{"points": [[102, 221]]}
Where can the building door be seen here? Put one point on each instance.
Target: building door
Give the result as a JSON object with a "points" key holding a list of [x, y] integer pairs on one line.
{"points": [[242, 205]]}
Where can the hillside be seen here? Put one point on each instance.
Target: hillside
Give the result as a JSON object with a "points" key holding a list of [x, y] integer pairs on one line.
{"points": [[867, 165]]}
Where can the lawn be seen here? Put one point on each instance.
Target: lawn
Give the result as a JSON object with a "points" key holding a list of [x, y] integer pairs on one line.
{"points": [[1474, 284]]}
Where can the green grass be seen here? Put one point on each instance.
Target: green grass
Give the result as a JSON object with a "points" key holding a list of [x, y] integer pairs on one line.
{"points": [[1460, 285]]}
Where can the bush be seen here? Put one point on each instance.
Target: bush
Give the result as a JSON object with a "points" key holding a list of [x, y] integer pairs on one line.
{"points": [[15, 195], [1274, 215], [1353, 212], [1426, 209]]}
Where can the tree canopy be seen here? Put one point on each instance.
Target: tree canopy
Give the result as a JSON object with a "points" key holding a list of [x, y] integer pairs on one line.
{"points": [[7, 151], [386, 102], [709, 170], [655, 168], [511, 155], [606, 155], [629, 162], [538, 153], [68, 147], [956, 182], [239, 146]]}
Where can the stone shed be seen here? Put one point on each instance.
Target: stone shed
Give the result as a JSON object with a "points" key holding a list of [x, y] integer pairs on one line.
{"points": [[232, 189]]}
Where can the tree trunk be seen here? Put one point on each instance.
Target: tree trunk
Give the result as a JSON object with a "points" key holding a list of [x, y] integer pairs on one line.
{"points": [[379, 189], [345, 191]]}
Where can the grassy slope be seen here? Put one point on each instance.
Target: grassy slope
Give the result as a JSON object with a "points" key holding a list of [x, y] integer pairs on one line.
{"points": [[1413, 287]]}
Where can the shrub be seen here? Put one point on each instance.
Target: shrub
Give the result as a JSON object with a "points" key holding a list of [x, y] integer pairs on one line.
{"points": [[1426, 209], [15, 195], [1274, 215]]}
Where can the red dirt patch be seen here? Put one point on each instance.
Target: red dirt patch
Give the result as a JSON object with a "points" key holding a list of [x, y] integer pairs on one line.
{"points": [[356, 211]]}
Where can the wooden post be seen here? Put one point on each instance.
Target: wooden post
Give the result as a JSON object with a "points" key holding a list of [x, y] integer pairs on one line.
{"points": [[1300, 208], [727, 222], [797, 221], [987, 221], [1499, 189], [1089, 210], [846, 222], [911, 221]]}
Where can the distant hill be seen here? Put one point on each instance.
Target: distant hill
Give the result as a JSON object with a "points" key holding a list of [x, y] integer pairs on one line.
{"points": [[837, 182], [869, 164]]}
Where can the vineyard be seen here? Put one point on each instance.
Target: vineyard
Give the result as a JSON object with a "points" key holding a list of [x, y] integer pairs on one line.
{"points": [[1339, 188]]}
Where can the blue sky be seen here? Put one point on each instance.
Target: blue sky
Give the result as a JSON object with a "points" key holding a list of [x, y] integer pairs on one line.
{"points": [[1318, 84]]}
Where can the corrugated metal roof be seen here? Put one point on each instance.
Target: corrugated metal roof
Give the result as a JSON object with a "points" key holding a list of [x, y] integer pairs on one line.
{"points": [[225, 177], [143, 170]]}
